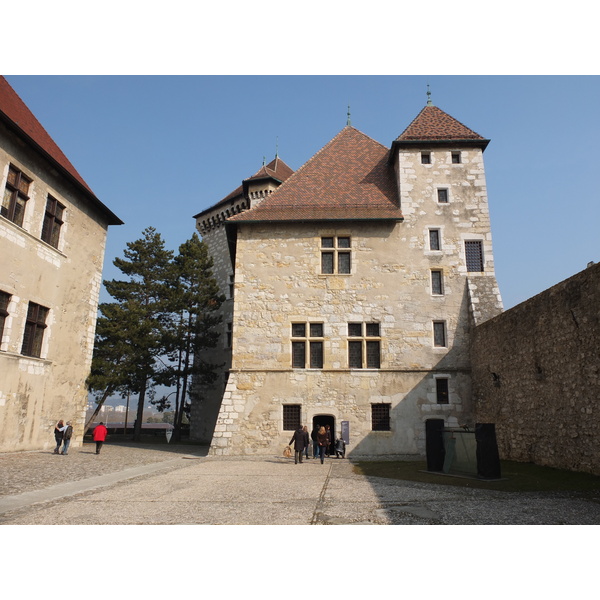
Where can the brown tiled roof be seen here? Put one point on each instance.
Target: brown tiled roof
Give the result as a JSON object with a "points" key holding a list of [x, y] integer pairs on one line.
{"points": [[16, 115], [347, 179], [433, 124], [276, 169]]}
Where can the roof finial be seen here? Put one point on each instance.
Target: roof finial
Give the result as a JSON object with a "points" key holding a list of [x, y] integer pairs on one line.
{"points": [[277, 147], [264, 161], [348, 121], [429, 102]]}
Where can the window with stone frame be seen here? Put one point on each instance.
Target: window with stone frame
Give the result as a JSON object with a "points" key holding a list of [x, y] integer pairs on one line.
{"points": [[439, 334], [364, 346], [15, 196], [437, 282], [380, 416], [474, 256], [441, 390], [425, 158], [456, 158], [53, 221], [35, 325], [336, 256], [435, 239], [4, 300], [442, 195], [291, 417], [307, 345]]}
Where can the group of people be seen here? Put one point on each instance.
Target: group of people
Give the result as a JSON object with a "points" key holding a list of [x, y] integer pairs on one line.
{"points": [[321, 437], [63, 434]]}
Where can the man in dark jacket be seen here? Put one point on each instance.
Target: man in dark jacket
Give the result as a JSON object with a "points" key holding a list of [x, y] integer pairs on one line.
{"points": [[300, 439]]}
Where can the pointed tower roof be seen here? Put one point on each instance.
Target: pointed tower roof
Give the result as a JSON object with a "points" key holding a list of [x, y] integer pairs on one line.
{"points": [[348, 179], [277, 170], [433, 126], [19, 119]]}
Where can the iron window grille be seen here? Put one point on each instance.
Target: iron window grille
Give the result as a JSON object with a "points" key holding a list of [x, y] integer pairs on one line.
{"points": [[474, 256], [291, 417], [380, 417]]}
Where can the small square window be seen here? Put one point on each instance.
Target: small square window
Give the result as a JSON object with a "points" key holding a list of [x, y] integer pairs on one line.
{"points": [[434, 239], [439, 334], [298, 329], [456, 158], [425, 158], [380, 417], [372, 329], [442, 195], [291, 417], [355, 329], [441, 390], [327, 242], [316, 330]]}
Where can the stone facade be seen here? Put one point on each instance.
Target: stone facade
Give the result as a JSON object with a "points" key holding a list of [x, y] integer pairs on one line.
{"points": [[536, 375], [276, 267], [41, 385]]}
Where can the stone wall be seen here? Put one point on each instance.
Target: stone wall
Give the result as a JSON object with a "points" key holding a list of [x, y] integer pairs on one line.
{"points": [[536, 375]]}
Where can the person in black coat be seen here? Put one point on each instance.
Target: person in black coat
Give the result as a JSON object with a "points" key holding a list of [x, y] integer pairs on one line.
{"points": [[300, 439]]}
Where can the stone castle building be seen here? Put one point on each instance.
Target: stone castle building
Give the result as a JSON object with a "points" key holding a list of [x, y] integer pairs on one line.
{"points": [[354, 285], [52, 238]]}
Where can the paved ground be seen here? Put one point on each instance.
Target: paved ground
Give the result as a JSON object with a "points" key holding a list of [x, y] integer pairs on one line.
{"points": [[129, 484]]}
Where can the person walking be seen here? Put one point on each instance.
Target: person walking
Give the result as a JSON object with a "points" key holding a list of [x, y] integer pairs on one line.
{"points": [[59, 432], [313, 437], [306, 441], [68, 433], [329, 440], [99, 436], [340, 447], [300, 440], [322, 441]]}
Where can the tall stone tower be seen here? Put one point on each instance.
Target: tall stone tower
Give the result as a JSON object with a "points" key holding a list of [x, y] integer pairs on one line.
{"points": [[355, 285]]}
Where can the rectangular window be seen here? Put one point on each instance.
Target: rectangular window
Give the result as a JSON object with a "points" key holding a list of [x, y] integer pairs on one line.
{"points": [[4, 300], [291, 417], [437, 283], [439, 334], [380, 417], [435, 239], [15, 196], [53, 220], [425, 158], [34, 330], [335, 255], [300, 342], [366, 352], [474, 256], [441, 390], [455, 158], [442, 195]]}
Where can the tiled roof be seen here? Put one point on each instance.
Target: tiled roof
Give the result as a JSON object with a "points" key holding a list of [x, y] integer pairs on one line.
{"points": [[433, 124], [20, 119], [347, 179], [276, 169]]}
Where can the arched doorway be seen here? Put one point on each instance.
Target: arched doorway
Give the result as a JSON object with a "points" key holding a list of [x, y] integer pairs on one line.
{"points": [[324, 420]]}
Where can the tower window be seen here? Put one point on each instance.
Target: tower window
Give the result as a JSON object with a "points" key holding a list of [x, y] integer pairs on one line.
{"points": [[437, 283], [441, 390], [425, 158], [434, 239], [456, 158], [474, 256], [442, 195], [439, 334]]}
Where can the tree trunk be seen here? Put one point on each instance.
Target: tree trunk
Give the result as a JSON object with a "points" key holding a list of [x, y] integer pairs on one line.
{"points": [[107, 392], [137, 430]]}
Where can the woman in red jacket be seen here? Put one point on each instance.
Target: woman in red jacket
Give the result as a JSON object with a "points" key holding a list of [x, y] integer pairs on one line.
{"points": [[99, 436]]}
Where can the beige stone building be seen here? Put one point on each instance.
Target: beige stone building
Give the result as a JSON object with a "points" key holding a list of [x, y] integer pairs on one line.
{"points": [[354, 285], [52, 239]]}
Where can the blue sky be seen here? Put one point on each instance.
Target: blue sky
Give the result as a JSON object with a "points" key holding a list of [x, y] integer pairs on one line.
{"points": [[159, 149]]}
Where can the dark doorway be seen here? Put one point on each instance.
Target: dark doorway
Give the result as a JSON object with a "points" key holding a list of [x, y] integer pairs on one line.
{"points": [[324, 420]]}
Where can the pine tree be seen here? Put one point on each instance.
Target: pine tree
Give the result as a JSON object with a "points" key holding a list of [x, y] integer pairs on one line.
{"points": [[131, 330], [195, 301]]}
